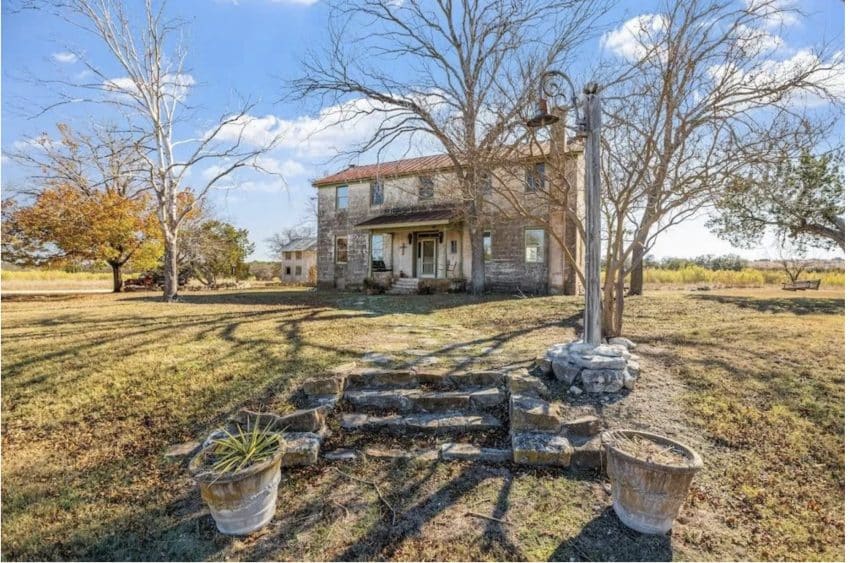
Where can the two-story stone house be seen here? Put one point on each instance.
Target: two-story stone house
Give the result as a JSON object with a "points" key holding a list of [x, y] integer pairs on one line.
{"points": [[403, 219]]}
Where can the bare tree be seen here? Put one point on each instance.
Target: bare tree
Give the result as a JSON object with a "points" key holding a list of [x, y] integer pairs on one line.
{"points": [[461, 73], [793, 260], [151, 97], [698, 97]]}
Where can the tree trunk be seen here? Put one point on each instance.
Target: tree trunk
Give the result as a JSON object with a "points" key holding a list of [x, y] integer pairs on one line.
{"points": [[636, 278], [117, 281], [476, 276], [171, 282]]}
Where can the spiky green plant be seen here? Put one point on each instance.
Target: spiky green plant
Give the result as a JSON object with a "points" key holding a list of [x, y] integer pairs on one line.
{"points": [[239, 449]]}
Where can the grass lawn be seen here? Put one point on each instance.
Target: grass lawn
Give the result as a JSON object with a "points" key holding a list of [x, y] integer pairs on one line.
{"points": [[97, 387]]}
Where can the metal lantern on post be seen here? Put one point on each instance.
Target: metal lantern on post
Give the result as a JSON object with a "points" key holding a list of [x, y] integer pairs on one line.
{"points": [[588, 126]]}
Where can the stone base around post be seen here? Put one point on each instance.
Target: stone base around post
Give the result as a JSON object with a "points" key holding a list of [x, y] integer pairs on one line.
{"points": [[607, 368]]}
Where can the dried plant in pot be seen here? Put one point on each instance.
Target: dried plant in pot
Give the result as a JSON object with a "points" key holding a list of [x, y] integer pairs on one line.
{"points": [[238, 471], [650, 476]]}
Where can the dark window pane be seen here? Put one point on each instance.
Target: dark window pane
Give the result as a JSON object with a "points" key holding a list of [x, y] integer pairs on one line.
{"points": [[342, 249], [426, 187], [535, 177], [377, 193], [342, 197]]}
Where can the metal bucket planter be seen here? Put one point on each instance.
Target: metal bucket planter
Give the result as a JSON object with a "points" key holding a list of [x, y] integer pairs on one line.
{"points": [[648, 494], [243, 501]]}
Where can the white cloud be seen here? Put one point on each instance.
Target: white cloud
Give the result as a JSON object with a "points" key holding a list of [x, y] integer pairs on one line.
{"points": [[64, 57], [333, 130], [632, 39], [826, 83], [175, 85], [774, 14]]}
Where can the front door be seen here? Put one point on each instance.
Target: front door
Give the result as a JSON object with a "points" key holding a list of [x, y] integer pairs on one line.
{"points": [[427, 258]]}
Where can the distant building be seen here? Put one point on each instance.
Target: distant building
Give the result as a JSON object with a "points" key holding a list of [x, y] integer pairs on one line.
{"points": [[298, 261]]}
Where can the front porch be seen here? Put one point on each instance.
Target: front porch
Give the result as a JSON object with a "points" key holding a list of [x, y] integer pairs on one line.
{"points": [[422, 245]]}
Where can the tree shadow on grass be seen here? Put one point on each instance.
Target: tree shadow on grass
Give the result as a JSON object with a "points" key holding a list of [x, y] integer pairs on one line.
{"points": [[795, 305], [605, 538]]}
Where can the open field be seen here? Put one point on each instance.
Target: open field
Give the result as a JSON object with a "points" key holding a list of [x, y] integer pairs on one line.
{"points": [[96, 387], [20, 281]]}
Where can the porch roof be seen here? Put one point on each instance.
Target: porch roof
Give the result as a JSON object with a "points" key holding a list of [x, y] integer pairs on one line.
{"points": [[411, 218]]}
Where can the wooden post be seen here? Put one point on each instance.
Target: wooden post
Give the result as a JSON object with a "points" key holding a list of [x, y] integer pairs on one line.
{"points": [[593, 216]]}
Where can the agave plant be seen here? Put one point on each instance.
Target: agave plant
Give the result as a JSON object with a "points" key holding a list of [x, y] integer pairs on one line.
{"points": [[241, 448]]}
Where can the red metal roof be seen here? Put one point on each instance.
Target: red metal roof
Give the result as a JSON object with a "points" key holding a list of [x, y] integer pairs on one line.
{"points": [[387, 169], [410, 166]]}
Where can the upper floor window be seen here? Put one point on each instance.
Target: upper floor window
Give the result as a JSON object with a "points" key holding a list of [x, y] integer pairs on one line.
{"points": [[488, 245], [298, 255], [535, 177], [342, 197], [376, 192], [287, 256], [426, 187], [534, 245]]}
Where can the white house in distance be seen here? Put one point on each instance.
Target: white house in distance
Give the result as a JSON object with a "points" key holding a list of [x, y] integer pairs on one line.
{"points": [[298, 261]]}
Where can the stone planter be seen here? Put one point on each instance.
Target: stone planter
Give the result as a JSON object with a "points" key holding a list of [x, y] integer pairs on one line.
{"points": [[243, 501], [647, 494]]}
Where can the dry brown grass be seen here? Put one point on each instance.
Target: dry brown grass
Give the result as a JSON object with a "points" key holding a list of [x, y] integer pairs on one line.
{"points": [[95, 388]]}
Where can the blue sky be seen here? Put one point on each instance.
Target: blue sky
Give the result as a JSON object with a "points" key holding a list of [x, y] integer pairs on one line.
{"points": [[247, 49]]}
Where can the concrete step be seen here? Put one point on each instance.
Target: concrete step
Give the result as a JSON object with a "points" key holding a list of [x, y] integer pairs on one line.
{"points": [[418, 400], [445, 423]]}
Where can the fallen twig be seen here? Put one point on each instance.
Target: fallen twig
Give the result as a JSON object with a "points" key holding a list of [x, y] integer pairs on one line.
{"points": [[484, 516], [374, 485]]}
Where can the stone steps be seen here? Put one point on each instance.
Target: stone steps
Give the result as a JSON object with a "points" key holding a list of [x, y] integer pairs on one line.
{"points": [[418, 400], [431, 423], [404, 286], [377, 378]]}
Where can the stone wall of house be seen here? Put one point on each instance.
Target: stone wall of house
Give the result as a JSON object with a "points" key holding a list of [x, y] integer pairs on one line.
{"points": [[507, 271]]}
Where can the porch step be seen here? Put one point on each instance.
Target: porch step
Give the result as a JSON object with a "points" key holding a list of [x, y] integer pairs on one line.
{"points": [[417, 400], [444, 423], [404, 286], [379, 378]]}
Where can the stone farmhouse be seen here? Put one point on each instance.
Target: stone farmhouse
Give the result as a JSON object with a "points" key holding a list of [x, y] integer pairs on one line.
{"points": [[298, 261], [401, 223]]}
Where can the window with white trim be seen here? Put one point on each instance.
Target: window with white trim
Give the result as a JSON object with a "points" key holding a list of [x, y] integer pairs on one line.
{"points": [[534, 245]]}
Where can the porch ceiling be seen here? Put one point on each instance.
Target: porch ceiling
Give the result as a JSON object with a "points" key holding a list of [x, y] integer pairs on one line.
{"points": [[411, 218]]}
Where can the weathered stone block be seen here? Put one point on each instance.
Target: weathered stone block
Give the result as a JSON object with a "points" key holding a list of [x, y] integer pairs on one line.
{"points": [[622, 342], [300, 448], [611, 350], [603, 380], [468, 452], [565, 370], [527, 385], [629, 380], [333, 385], [541, 449], [477, 379], [588, 454], [532, 414], [634, 367], [305, 420], [575, 390], [583, 426], [375, 378], [487, 398], [598, 361]]}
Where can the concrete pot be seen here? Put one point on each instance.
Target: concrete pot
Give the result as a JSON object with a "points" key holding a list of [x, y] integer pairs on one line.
{"points": [[648, 495], [240, 502]]}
